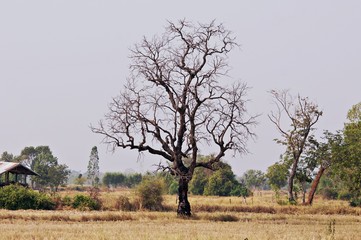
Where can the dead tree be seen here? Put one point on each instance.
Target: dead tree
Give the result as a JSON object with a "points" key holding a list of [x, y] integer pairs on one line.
{"points": [[302, 115], [177, 100]]}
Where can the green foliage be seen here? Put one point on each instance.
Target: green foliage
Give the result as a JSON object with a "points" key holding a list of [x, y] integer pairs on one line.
{"points": [[198, 182], [133, 179], [277, 175], [347, 154], [355, 202], [116, 179], [14, 197], [41, 160], [150, 193], [7, 157], [113, 179], [241, 190], [67, 201], [171, 185], [173, 188], [253, 179], [84, 202], [222, 183]]}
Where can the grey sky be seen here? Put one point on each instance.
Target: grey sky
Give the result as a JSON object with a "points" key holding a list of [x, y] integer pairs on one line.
{"points": [[62, 61]]}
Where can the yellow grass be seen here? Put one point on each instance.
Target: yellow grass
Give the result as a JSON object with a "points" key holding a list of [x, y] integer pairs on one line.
{"points": [[213, 218], [165, 225]]}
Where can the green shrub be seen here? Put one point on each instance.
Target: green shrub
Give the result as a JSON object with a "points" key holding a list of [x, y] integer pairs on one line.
{"points": [[67, 201], [329, 193], [355, 202], [344, 195], [150, 193], [14, 197], [84, 202]]}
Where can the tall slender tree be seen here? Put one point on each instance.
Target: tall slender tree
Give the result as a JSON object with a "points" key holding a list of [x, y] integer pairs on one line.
{"points": [[177, 99], [93, 167]]}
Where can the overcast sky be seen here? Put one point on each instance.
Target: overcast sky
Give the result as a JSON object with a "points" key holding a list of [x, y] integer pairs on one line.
{"points": [[61, 62]]}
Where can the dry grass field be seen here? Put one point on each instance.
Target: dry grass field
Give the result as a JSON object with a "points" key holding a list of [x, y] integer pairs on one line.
{"points": [[214, 218]]}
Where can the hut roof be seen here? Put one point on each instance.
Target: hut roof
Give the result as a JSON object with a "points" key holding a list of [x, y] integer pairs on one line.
{"points": [[16, 168]]}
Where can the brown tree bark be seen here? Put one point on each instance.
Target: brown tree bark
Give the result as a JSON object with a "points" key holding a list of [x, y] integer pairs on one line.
{"points": [[314, 185], [184, 208]]}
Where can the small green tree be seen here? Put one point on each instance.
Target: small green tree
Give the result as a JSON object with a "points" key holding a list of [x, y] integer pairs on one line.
{"points": [[253, 179], [80, 180], [150, 193], [93, 167], [277, 176], [133, 179], [52, 174], [222, 182]]}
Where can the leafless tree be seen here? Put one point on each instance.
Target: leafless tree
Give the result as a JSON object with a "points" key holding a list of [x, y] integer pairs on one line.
{"points": [[175, 101], [301, 115]]}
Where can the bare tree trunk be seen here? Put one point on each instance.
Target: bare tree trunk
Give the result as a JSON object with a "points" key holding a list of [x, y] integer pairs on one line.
{"points": [[291, 197], [184, 208], [314, 185]]}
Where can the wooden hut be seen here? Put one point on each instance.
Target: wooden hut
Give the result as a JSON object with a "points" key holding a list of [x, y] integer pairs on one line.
{"points": [[14, 172]]}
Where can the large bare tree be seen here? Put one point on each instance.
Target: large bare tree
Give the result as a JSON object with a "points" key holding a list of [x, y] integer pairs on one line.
{"points": [[177, 101], [300, 115]]}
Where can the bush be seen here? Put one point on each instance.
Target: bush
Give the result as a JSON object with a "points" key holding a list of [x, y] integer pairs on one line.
{"points": [[84, 202], [329, 193], [14, 197], [355, 202], [150, 193], [67, 201], [123, 203], [344, 195]]}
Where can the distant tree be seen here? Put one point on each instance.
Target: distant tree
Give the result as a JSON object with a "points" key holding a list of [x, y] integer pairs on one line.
{"points": [[174, 101], [114, 179], [277, 176], [223, 183], [80, 180], [52, 174], [7, 157], [93, 167], [41, 160], [253, 179], [200, 177], [133, 179], [302, 115], [199, 181], [28, 155]]}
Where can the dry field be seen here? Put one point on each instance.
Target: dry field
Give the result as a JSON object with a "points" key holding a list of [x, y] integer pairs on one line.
{"points": [[230, 219]]}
